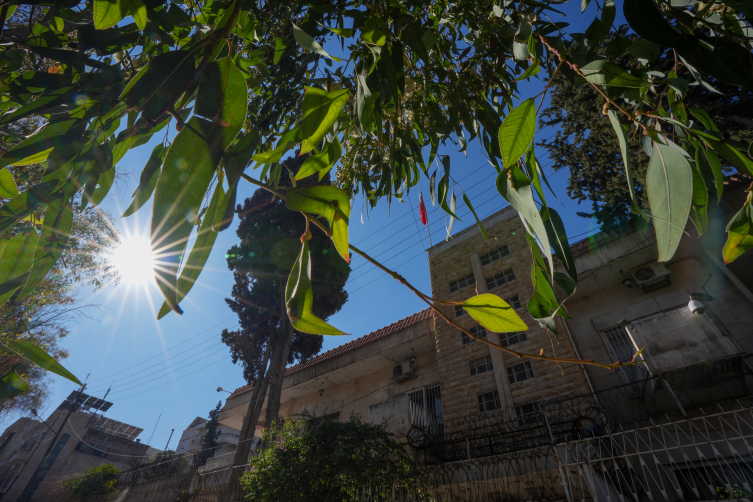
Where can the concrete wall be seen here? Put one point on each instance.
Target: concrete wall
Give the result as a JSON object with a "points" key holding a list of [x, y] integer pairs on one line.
{"points": [[459, 257]]}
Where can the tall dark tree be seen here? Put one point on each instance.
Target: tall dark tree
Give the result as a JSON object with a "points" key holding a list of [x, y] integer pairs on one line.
{"points": [[587, 146], [269, 245], [209, 442]]}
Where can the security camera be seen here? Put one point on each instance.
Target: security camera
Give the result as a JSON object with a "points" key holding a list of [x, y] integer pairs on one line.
{"points": [[696, 307]]}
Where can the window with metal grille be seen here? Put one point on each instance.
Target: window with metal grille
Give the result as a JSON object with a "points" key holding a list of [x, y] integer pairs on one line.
{"points": [[495, 255], [459, 311], [480, 365], [488, 402], [510, 339], [461, 283], [623, 349], [501, 278], [429, 398], [519, 372], [476, 330], [331, 417], [514, 302], [529, 414]]}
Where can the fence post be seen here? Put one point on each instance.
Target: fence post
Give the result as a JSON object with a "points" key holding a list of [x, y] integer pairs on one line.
{"points": [[560, 469]]}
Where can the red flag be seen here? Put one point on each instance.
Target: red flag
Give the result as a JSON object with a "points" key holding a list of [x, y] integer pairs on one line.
{"points": [[422, 209]]}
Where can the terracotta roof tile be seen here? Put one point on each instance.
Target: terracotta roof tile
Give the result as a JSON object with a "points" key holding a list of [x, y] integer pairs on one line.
{"points": [[347, 347]]}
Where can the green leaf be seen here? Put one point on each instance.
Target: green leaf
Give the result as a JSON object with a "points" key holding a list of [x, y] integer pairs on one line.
{"points": [[669, 183], [609, 74], [199, 253], [532, 70], [322, 161], [320, 112], [699, 208], [307, 42], [371, 32], [739, 234], [188, 169], [8, 187], [522, 200], [494, 314], [56, 229], [12, 385], [226, 209], [622, 137], [284, 144], [517, 131], [37, 147], [223, 94], [343, 32], [42, 359], [16, 262], [557, 235], [330, 202], [299, 298], [159, 82], [104, 183], [279, 50], [138, 10], [108, 13], [478, 221], [710, 165], [148, 181]]}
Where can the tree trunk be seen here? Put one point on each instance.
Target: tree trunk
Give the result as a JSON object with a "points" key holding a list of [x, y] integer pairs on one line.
{"points": [[279, 362], [240, 459]]}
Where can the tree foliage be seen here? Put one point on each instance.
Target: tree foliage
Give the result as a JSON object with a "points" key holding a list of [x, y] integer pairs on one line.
{"points": [[269, 242], [95, 481], [586, 145], [319, 460], [209, 441]]}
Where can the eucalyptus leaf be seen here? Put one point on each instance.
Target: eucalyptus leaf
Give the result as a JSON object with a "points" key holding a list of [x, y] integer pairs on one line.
{"points": [[494, 314]]}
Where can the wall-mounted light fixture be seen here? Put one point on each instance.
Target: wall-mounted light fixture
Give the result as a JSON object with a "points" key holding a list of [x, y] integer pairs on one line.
{"points": [[412, 359], [628, 282], [321, 391]]}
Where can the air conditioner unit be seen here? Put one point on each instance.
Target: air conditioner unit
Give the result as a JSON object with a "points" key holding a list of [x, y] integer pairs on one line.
{"points": [[651, 276], [403, 372]]}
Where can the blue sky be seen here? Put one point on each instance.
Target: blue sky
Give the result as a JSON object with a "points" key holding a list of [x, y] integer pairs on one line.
{"points": [[173, 366]]}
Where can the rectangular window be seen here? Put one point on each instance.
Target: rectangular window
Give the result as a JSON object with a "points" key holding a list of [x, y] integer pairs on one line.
{"points": [[332, 417], [480, 365], [529, 414], [428, 398], [495, 255], [510, 339], [501, 278], [488, 402], [479, 331], [623, 349], [463, 282], [459, 311], [514, 302], [520, 372]]}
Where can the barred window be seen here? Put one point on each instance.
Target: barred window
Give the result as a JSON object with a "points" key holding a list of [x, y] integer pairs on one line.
{"points": [[510, 339], [514, 302], [459, 311], [501, 278], [495, 255], [463, 282], [480, 365], [478, 331], [520, 372], [529, 414], [488, 402]]}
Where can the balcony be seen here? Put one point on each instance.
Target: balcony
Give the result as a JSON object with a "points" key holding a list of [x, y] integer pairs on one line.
{"points": [[226, 438]]}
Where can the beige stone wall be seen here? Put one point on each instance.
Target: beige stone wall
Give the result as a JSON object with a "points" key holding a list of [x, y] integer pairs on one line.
{"points": [[450, 261]]}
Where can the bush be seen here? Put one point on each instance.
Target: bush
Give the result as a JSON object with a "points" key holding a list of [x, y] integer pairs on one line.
{"points": [[95, 481], [312, 461]]}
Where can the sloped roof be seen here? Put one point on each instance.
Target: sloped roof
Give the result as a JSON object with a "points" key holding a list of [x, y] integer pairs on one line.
{"points": [[347, 347]]}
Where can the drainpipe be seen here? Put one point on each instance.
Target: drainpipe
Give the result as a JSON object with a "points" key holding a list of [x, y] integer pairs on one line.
{"points": [[582, 368]]}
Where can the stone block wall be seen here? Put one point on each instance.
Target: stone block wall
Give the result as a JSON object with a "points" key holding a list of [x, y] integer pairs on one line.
{"points": [[460, 257]]}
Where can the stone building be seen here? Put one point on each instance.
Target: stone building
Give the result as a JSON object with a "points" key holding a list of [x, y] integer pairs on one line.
{"points": [[87, 439], [491, 426]]}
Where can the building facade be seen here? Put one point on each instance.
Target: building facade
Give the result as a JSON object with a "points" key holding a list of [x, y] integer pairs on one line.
{"points": [[86, 439]]}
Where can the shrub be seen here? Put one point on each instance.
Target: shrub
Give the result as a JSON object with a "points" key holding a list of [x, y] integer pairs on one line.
{"points": [[95, 481], [312, 461]]}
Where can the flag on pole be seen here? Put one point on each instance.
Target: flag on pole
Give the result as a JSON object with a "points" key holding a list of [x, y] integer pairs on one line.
{"points": [[422, 209]]}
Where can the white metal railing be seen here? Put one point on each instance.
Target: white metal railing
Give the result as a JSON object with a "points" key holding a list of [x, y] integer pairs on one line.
{"points": [[421, 417]]}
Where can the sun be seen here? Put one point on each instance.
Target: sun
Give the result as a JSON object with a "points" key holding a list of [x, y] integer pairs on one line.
{"points": [[134, 259]]}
